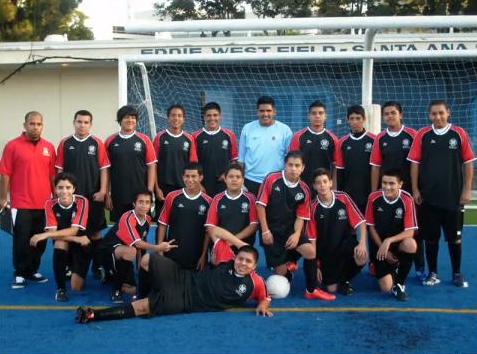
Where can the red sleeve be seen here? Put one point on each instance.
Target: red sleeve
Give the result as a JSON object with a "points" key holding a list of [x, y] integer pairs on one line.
{"points": [[108, 142], [311, 225], [51, 221], [303, 210], [265, 190], [252, 213], [127, 232], [60, 158], [259, 289], [81, 218], [410, 220], [233, 143], [6, 164], [221, 253], [157, 144], [370, 207], [150, 154], [103, 159], [412, 133], [415, 153], [376, 158], [213, 214], [193, 149], [335, 142], [355, 218], [295, 141], [466, 149], [166, 211], [339, 158]]}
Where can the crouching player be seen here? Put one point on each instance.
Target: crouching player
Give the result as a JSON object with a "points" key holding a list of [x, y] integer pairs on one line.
{"points": [[66, 219], [334, 216], [172, 290], [125, 242], [391, 217]]}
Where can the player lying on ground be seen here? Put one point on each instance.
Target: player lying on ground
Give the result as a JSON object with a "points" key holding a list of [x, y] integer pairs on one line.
{"points": [[171, 290]]}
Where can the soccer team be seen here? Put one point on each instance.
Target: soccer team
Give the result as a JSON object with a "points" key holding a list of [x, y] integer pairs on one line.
{"points": [[307, 195]]}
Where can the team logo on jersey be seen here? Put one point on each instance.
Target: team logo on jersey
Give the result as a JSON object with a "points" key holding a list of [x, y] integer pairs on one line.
{"points": [[180, 205], [205, 141], [385, 144], [277, 188], [380, 209], [433, 141], [186, 146], [242, 288], [324, 144], [453, 144], [71, 147], [46, 152], [223, 206], [299, 196], [91, 150], [341, 214], [322, 216], [137, 146], [116, 145], [399, 213], [244, 207], [202, 209], [348, 147], [406, 143], [58, 215], [368, 147], [309, 141], [166, 142], [225, 144]]}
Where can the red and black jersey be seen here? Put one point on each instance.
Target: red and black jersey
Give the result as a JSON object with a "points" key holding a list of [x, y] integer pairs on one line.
{"points": [[318, 149], [61, 217], [232, 214], [390, 150], [221, 288], [391, 217], [441, 155], [185, 218], [129, 156], [353, 159], [332, 225], [30, 166], [173, 153], [284, 202], [215, 151], [128, 230], [84, 158]]}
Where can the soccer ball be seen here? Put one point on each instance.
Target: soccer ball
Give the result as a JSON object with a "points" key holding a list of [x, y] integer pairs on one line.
{"points": [[278, 286]]}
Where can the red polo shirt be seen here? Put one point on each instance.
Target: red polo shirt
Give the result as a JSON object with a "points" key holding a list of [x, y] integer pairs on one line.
{"points": [[30, 167]]}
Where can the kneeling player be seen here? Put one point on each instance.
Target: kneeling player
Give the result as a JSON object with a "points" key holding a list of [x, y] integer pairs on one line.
{"points": [[66, 219], [125, 240], [283, 205], [174, 290], [334, 216], [391, 217]]}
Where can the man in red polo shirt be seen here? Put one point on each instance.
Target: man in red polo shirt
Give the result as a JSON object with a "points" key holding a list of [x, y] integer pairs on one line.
{"points": [[27, 169]]}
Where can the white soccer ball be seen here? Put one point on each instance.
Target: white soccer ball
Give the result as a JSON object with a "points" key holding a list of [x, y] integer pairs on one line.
{"points": [[278, 286]]}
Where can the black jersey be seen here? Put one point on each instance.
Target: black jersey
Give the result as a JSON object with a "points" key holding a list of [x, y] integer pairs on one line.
{"points": [[185, 218], [353, 158], [129, 156], [61, 217], [318, 149], [441, 155], [128, 230], [284, 202], [390, 151], [331, 226], [215, 150], [391, 217], [173, 153], [84, 158]]}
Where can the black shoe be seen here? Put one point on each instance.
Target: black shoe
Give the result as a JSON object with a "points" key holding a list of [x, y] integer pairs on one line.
{"points": [[61, 296], [459, 281], [100, 274], [117, 297], [37, 278], [83, 314], [399, 292], [345, 288]]}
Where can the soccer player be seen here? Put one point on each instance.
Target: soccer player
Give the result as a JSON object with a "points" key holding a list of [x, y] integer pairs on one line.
{"points": [[66, 220], [317, 144], [27, 169], [127, 240], [352, 160], [174, 150], [183, 218], [263, 144], [133, 163], [334, 215], [391, 217], [216, 149], [233, 211], [441, 173], [173, 290], [283, 205], [84, 156]]}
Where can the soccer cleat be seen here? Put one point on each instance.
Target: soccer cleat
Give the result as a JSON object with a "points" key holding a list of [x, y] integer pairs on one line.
{"points": [[100, 274], [117, 297], [345, 288], [459, 281], [84, 315], [319, 294], [18, 282], [399, 292], [61, 296], [431, 279], [37, 278], [292, 267]]}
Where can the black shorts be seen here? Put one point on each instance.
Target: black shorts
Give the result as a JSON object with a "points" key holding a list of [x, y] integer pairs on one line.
{"points": [[168, 286], [277, 254], [96, 219], [432, 219], [333, 266], [80, 259], [384, 268]]}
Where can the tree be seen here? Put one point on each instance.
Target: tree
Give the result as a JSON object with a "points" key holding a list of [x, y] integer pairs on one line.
{"points": [[177, 10], [222, 9], [395, 8], [263, 8]]}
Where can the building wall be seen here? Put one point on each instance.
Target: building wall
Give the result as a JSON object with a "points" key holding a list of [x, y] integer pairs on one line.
{"points": [[58, 92]]}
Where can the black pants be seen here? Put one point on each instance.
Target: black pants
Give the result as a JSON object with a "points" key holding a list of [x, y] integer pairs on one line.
{"points": [[26, 259]]}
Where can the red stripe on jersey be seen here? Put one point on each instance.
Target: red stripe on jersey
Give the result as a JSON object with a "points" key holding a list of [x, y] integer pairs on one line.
{"points": [[213, 214], [303, 210], [233, 142], [410, 215], [311, 225], [259, 288], [127, 232], [150, 154], [466, 149], [252, 213], [110, 139], [339, 162], [51, 221], [354, 215], [266, 188], [410, 131], [207, 198], [335, 141], [295, 141], [157, 143], [82, 210], [376, 157], [167, 208], [415, 153], [193, 150], [60, 154], [103, 158], [222, 253], [370, 207]]}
